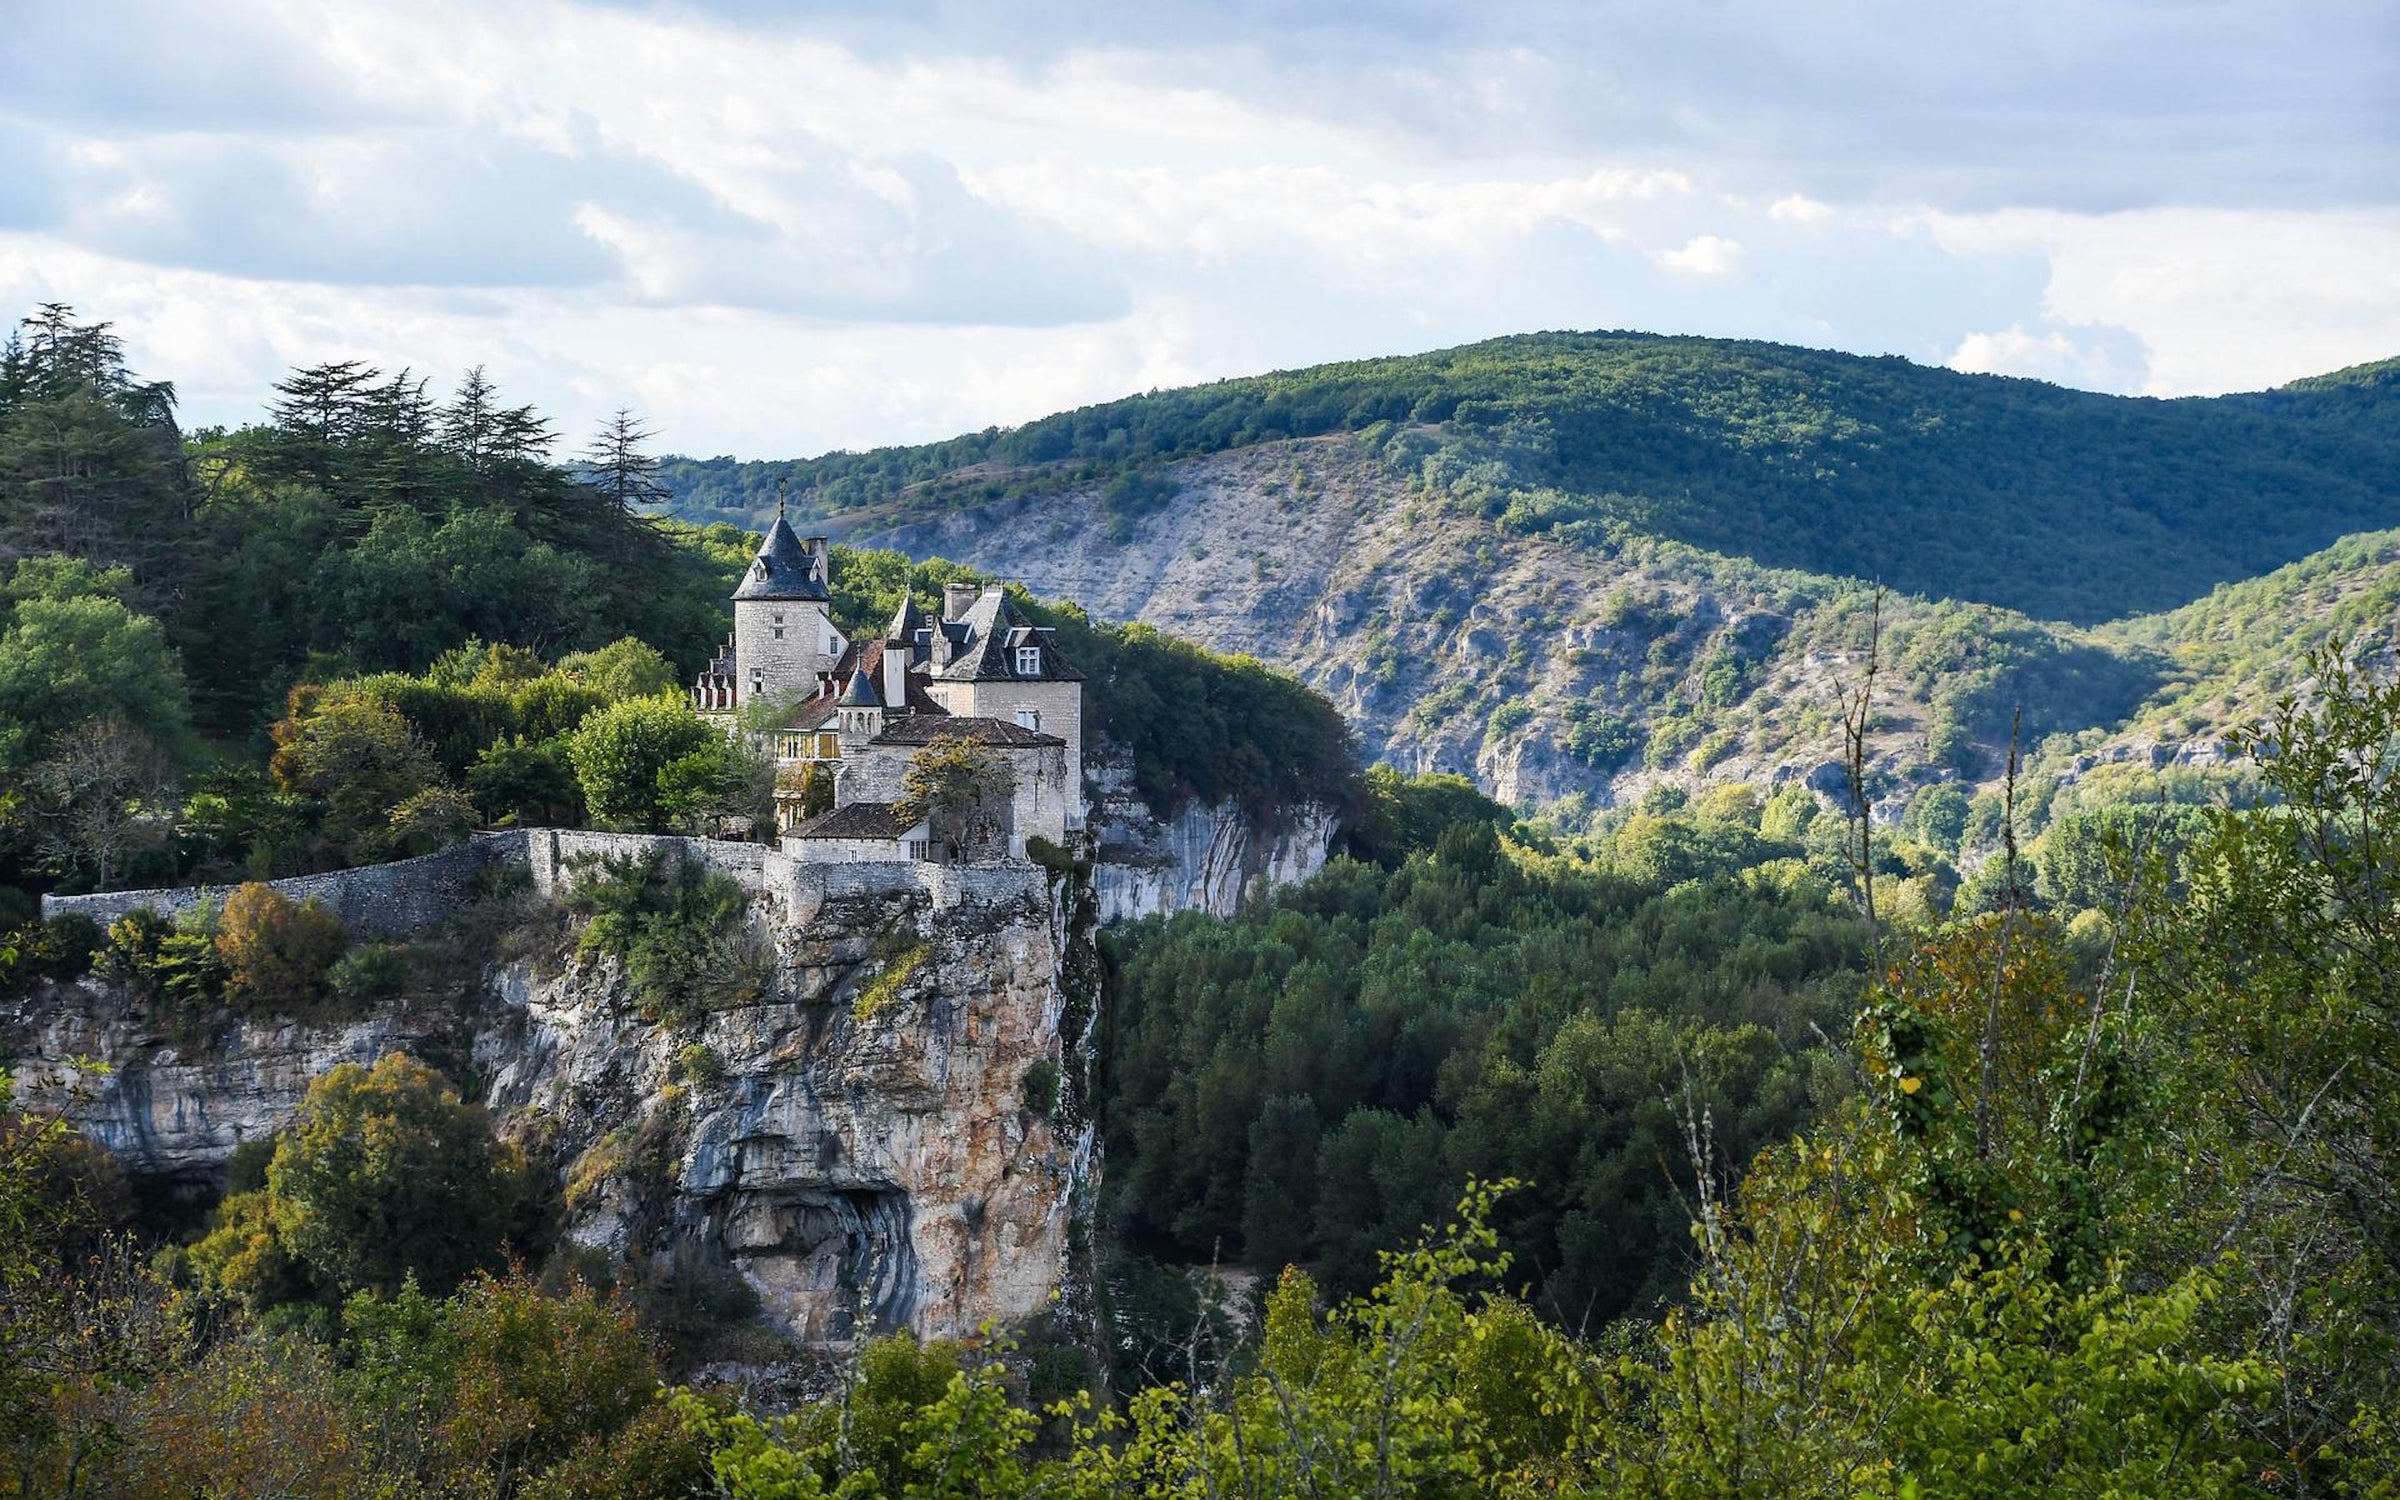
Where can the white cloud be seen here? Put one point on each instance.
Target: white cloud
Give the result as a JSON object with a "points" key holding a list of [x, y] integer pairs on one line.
{"points": [[782, 233], [1799, 208], [2223, 300], [2094, 359], [1703, 255]]}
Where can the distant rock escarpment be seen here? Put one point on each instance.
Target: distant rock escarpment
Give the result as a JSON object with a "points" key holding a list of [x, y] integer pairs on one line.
{"points": [[886, 1129]]}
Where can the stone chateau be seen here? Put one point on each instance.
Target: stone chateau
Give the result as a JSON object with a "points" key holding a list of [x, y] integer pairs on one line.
{"points": [[844, 720]]}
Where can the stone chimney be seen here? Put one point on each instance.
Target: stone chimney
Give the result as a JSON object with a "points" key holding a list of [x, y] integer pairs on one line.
{"points": [[895, 676], [958, 598]]}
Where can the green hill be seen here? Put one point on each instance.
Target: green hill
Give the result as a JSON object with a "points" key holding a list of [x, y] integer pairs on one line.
{"points": [[2060, 504]]}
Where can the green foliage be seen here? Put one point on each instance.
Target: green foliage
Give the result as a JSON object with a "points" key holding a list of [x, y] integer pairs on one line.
{"points": [[385, 1176], [356, 760], [680, 929], [64, 660], [623, 756], [361, 519], [1402, 815], [1039, 1087], [1418, 1389], [367, 974], [625, 668], [961, 793], [1334, 1061], [174, 965], [526, 781], [879, 993]]}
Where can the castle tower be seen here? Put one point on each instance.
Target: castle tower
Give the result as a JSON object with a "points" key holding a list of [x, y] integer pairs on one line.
{"points": [[783, 636]]}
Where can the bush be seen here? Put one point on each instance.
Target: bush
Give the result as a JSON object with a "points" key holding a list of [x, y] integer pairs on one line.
{"points": [[432, 819], [384, 1176], [368, 973], [275, 950], [164, 961], [1041, 1087], [526, 781], [680, 929]]}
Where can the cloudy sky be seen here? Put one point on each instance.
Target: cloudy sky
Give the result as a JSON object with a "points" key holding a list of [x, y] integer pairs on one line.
{"points": [[778, 228]]}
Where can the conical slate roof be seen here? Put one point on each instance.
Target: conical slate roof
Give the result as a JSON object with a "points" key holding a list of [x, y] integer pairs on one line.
{"points": [[783, 569], [860, 693]]}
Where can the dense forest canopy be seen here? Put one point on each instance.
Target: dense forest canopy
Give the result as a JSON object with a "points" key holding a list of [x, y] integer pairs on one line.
{"points": [[2063, 504]]}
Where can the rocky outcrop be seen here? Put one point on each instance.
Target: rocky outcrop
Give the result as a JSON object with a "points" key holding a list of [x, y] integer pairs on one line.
{"points": [[885, 1131], [1211, 857]]}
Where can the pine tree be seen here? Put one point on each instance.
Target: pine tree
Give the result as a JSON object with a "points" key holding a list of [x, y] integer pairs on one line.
{"points": [[616, 466], [468, 423], [320, 411]]}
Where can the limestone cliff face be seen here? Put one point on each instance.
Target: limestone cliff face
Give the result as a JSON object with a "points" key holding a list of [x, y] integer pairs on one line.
{"points": [[858, 1138], [1208, 857]]}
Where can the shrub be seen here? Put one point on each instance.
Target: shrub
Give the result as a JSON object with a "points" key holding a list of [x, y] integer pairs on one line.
{"points": [[368, 973], [275, 950], [679, 928], [526, 781], [701, 1064], [1041, 1087], [885, 988], [384, 1175], [432, 819], [175, 962]]}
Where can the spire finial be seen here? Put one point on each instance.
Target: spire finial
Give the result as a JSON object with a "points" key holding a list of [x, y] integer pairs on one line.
{"points": [[781, 480]]}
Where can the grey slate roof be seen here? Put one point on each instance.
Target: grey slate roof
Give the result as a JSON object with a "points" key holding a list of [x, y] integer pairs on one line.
{"points": [[928, 729], [860, 820], [993, 629], [861, 692], [783, 569]]}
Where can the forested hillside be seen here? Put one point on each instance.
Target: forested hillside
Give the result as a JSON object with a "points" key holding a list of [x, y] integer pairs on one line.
{"points": [[2055, 503]]}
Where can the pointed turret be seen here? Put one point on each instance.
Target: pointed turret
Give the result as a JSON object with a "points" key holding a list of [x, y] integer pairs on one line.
{"points": [[860, 693], [786, 567], [861, 708]]}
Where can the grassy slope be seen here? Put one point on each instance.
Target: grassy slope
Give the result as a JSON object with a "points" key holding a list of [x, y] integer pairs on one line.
{"points": [[2061, 504]]}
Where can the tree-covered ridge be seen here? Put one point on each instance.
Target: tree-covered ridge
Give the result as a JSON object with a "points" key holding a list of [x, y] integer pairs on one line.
{"points": [[2059, 503]]}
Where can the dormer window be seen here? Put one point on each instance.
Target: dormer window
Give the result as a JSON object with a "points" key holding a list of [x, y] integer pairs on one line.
{"points": [[1029, 661]]}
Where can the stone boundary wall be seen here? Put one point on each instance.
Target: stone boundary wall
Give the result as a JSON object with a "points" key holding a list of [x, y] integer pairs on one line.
{"points": [[407, 896], [388, 900]]}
